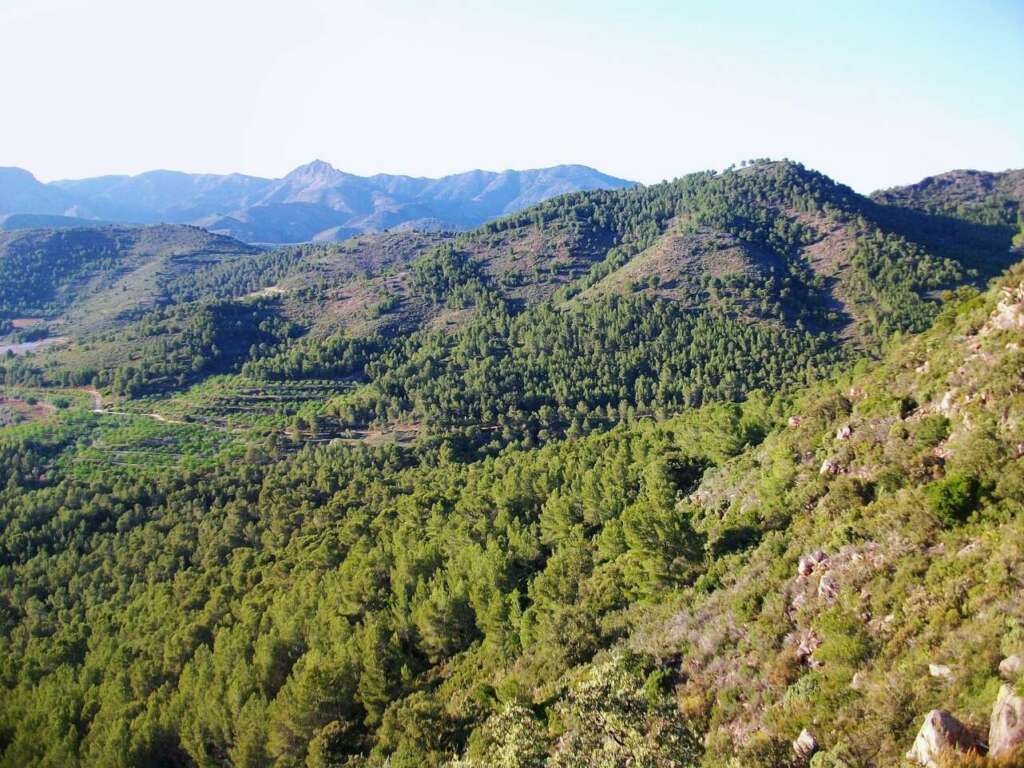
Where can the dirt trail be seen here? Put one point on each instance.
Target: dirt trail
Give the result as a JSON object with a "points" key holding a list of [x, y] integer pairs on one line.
{"points": [[97, 399], [97, 407]]}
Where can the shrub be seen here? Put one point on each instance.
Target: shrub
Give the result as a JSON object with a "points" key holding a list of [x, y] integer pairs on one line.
{"points": [[931, 431], [953, 499]]}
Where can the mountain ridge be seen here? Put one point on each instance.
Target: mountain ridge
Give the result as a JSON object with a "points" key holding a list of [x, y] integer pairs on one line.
{"points": [[249, 207], [793, 267]]}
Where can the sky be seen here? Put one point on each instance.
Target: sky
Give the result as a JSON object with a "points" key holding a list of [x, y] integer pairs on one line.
{"points": [[873, 93]]}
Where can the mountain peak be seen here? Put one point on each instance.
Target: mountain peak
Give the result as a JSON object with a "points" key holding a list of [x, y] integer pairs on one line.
{"points": [[312, 198], [20, 174], [317, 169]]}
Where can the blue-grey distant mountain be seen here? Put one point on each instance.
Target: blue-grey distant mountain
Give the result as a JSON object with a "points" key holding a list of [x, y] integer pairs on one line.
{"points": [[314, 202], [13, 221]]}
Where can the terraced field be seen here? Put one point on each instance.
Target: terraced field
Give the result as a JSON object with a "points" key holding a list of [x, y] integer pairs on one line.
{"points": [[145, 444], [238, 404]]}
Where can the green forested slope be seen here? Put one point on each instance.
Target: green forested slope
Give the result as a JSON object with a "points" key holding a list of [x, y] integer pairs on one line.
{"points": [[631, 597], [559, 319], [534, 494], [95, 273], [978, 196]]}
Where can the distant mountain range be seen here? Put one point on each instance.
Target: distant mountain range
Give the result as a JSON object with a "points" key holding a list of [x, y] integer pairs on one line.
{"points": [[315, 202]]}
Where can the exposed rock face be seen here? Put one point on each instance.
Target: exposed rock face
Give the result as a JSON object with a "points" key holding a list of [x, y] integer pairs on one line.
{"points": [[828, 587], [1006, 729], [1009, 313], [816, 561], [808, 645], [946, 406], [940, 732], [805, 746], [1011, 667]]}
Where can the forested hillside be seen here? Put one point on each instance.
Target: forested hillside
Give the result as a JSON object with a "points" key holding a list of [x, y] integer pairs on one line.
{"points": [[555, 321], [666, 476], [985, 198], [89, 272], [633, 596]]}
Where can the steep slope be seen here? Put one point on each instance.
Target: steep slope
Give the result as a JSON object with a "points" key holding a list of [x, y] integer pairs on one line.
{"points": [[688, 591], [844, 263], [868, 554]]}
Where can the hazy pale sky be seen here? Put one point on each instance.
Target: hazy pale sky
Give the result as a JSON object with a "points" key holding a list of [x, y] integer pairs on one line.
{"points": [[873, 93]]}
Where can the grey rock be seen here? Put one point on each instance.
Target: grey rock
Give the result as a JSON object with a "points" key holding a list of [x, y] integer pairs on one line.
{"points": [[939, 732], [1006, 728], [940, 670], [1011, 667], [805, 746]]}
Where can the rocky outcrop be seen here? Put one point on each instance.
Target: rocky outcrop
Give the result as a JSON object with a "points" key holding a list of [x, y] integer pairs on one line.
{"points": [[940, 733], [816, 561], [830, 467], [809, 643], [828, 587], [1006, 729], [1009, 313], [1011, 667], [804, 747]]}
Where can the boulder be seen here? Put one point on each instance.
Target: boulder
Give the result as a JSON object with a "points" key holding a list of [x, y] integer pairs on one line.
{"points": [[829, 467], [1011, 667], [844, 432], [828, 587], [808, 645], [816, 561], [940, 670], [805, 746], [940, 732], [1006, 729]]}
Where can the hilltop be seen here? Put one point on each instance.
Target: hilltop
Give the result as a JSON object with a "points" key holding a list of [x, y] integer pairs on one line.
{"points": [[987, 198], [89, 277]]}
